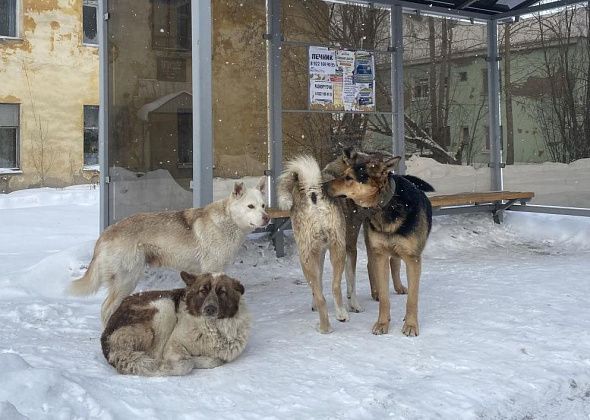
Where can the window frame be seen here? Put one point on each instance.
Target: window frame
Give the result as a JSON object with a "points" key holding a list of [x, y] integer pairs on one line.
{"points": [[17, 167], [422, 84], [167, 47], [86, 3], [90, 166], [17, 25]]}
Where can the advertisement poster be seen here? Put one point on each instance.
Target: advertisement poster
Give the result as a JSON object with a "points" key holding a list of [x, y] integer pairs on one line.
{"points": [[341, 80]]}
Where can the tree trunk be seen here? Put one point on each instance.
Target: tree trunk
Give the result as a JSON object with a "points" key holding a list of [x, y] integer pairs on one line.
{"points": [[434, 126]]}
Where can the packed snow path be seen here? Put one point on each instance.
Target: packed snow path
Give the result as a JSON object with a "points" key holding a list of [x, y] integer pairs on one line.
{"points": [[504, 329]]}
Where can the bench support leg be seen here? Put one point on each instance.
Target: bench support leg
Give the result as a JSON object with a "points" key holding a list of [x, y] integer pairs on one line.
{"points": [[278, 241], [498, 216], [498, 212], [278, 237]]}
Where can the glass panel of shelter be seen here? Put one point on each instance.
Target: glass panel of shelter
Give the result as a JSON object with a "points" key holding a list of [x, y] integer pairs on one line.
{"points": [[239, 94], [545, 108], [446, 103], [319, 130], [150, 106]]}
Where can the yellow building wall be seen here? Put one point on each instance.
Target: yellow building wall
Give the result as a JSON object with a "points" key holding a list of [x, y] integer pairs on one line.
{"points": [[52, 75]]}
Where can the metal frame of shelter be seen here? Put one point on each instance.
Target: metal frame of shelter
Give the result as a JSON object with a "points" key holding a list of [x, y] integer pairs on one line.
{"points": [[490, 12]]}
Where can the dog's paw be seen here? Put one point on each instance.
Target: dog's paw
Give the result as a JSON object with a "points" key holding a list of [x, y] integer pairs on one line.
{"points": [[354, 306], [342, 315], [410, 328], [326, 329], [402, 290], [380, 328]]}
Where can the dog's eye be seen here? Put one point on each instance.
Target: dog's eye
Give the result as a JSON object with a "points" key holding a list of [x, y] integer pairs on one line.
{"points": [[203, 291], [264, 205], [348, 178], [221, 292], [250, 206]]}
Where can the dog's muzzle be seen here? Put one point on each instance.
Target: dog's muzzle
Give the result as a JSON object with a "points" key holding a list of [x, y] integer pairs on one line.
{"points": [[210, 310], [265, 219]]}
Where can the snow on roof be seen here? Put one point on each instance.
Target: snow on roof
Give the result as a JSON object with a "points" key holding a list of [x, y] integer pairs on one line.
{"points": [[160, 103]]}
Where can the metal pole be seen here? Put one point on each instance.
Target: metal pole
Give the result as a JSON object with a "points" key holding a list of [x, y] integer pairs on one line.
{"points": [[202, 103], [103, 115], [397, 86], [274, 97], [494, 106]]}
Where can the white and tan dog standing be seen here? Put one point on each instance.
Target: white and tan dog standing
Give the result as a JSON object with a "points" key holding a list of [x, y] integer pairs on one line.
{"points": [[197, 240], [318, 226], [171, 332]]}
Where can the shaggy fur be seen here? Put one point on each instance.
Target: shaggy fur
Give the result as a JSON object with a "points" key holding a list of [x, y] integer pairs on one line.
{"points": [[162, 333], [397, 228], [318, 226], [193, 240]]}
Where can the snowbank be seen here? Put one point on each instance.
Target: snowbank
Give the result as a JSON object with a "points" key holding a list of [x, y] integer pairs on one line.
{"points": [[555, 184]]}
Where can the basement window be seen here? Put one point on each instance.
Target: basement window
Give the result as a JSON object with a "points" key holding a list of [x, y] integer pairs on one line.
{"points": [[9, 136], [8, 18], [90, 135], [90, 22]]}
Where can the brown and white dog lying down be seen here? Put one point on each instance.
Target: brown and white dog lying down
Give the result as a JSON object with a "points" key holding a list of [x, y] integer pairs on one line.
{"points": [[198, 240], [159, 333]]}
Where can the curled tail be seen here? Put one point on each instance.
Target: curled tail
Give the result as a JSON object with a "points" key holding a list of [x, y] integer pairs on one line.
{"points": [[302, 172], [130, 362], [419, 183], [88, 284]]}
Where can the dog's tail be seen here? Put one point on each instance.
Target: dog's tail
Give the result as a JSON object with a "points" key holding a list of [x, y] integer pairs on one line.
{"points": [[303, 171], [88, 284], [132, 362], [419, 183]]}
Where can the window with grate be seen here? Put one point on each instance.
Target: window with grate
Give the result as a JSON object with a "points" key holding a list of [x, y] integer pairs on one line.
{"points": [[90, 135], [9, 136]]}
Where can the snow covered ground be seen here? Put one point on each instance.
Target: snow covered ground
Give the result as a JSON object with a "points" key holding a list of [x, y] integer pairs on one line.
{"points": [[504, 317]]}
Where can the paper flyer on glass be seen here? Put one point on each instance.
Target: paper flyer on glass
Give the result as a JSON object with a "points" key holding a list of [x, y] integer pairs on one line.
{"points": [[341, 80]]}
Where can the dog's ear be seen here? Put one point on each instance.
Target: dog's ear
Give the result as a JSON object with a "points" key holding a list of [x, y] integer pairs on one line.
{"points": [[349, 155], [261, 186], [238, 190], [390, 163], [238, 286], [187, 278]]}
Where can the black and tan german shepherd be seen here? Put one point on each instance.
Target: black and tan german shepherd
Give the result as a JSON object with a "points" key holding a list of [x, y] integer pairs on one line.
{"points": [[397, 227]]}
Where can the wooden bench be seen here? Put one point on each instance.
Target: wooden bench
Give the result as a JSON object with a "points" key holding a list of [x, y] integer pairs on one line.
{"points": [[493, 201]]}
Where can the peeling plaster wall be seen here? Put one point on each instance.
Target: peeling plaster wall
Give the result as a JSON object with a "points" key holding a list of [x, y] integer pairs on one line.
{"points": [[52, 75]]}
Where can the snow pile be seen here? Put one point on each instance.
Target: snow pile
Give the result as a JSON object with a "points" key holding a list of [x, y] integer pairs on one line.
{"points": [[79, 194], [503, 322], [555, 184]]}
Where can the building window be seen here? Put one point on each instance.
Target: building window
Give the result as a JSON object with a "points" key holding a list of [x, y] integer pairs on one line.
{"points": [[171, 24], [463, 76], [421, 88], [185, 137], [9, 132], [484, 81], [465, 135], [90, 15], [8, 18], [445, 136], [90, 135]]}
